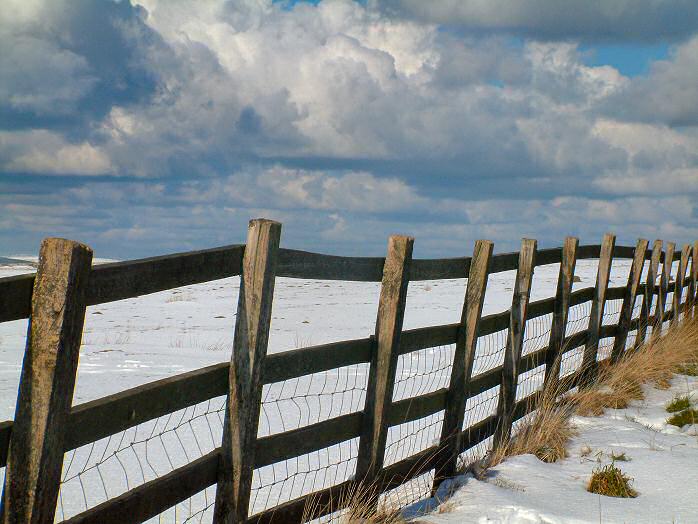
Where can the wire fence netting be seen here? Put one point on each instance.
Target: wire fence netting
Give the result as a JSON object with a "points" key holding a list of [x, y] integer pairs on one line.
{"points": [[299, 402], [104, 469], [100, 471]]}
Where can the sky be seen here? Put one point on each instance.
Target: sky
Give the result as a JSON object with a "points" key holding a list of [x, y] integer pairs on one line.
{"points": [[156, 126]]}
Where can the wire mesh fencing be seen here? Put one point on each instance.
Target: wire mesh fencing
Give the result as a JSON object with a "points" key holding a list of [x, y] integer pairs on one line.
{"points": [[109, 467], [104, 469], [299, 402], [424, 371], [578, 318]]}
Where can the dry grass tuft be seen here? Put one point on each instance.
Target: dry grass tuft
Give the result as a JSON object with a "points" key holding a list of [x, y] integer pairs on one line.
{"points": [[655, 362], [359, 503], [619, 457], [690, 369], [545, 435], [612, 482], [548, 431]]}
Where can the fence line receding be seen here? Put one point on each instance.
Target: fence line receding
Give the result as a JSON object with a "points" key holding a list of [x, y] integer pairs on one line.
{"points": [[264, 437]]}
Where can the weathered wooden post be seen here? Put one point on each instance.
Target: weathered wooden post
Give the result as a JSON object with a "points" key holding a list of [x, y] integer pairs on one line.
{"points": [[463, 359], [663, 289], [565, 281], [515, 340], [626, 311], [648, 298], [381, 377], [693, 288], [591, 348], [245, 377], [679, 283], [35, 458]]}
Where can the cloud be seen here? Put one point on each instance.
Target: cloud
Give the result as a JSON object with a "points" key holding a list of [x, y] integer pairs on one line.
{"points": [[66, 62], [593, 20], [183, 118], [45, 152], [668, 95]]}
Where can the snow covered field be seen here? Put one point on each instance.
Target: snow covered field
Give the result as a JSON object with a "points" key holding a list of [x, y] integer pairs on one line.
{"points": [[135, 341], [662, 460]]}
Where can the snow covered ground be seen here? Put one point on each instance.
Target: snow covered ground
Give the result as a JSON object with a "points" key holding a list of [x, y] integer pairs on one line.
{"points": [[135, 341], [662, 460]]}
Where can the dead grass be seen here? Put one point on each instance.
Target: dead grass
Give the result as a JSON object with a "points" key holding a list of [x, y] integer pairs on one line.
{"points": [[610, 481], [619, 457], [655, 362], [360, 508], [690, 369], [548, 431]]}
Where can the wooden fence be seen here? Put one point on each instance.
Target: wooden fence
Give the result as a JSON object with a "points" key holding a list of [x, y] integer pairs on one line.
{"points": [[46, 424]]}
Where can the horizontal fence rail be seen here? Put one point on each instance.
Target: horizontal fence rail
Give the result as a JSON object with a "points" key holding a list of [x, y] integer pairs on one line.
{"points": [[111, 415], [122, 280]]}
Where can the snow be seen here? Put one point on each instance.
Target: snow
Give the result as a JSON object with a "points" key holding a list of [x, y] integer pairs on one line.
{"points": [[662, 463], [135, 341]]}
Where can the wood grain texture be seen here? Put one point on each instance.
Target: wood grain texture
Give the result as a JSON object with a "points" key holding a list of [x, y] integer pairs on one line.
{"points": [[649, 292], [121, 280], [693, 288], [381, 378], [679, 283], [132, 278], [631, 289], [512, 353], [306, 439], [245, 377], [598, 303], [662, 296], [462, 368], [35, 457], [5, 435], [16, 297], [561, 307], [316, 359], [413, 408], [294, 263], [427, 337]]}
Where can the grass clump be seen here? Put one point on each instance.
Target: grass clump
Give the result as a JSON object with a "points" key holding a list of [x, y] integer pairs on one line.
{"points": [[687, 416], [678, 404], [619, 457], [545, 435], [654, 362], [358, 504], [690, 369], [610, 481]]}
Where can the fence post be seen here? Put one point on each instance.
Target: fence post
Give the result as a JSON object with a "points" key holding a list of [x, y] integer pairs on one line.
{"points": [[693, 288], [626, 312], [591, 348], [663, 289], [463, 359], [245, 376], [515, 340], [648, 297], [35, 459], [381, 377], [678, 283], [565, 280]]}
